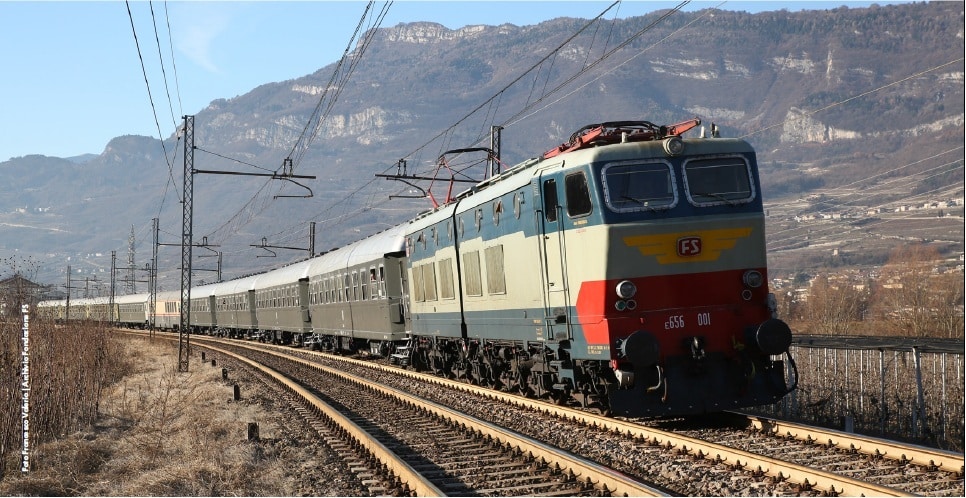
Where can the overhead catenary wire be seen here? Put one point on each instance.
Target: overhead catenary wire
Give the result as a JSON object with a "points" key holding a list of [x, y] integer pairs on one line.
{"points": [[347, 215], [174, 66], [174, 153], [488, 102], [234, 223], [164, 74], [150, 96], [838, 231], [947, 168], [260, 201], [317, 118]]}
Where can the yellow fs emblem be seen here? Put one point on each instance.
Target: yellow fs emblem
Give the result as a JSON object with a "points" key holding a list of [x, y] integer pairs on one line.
{"points": [[687, 247]]}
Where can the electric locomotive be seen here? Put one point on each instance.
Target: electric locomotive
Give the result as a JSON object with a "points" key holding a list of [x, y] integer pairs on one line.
{"points": [[623, 271]]}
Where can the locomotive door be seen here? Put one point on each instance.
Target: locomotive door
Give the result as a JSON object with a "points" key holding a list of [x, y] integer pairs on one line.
{"points": [[552, 249]]}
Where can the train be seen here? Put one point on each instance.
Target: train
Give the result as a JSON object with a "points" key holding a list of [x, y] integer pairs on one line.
{"points": [[622, 272]]}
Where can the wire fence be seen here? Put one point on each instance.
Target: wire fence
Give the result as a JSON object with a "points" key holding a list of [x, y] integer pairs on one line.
{"points": [[913, 394]]}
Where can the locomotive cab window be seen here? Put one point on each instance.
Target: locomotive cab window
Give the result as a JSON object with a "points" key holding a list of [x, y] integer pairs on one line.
{"points": [[630, 187], [578, 195], [720, 180]]}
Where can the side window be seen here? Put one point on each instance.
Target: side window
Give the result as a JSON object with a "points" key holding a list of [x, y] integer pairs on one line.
{"points": [[419, 294], [446, 286], [495, 279], [578, 195], [374, 291], [550, 200], [382, 281], [429, 278], [471, 262]]}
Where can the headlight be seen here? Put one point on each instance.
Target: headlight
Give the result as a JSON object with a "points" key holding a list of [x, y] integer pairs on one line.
{"points": [[626, 289], [673, 146], [753, 279]]}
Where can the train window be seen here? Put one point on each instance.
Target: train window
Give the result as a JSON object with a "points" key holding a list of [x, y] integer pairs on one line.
{"points": [[382, 282], [474, 284], [479, 219], [517, 204], [354, 291], [719, 180], [578, 195], [373, 284], [630, 187], [418, 293], [430, 280], [446, 287], [550, 200], [495, 279], [435, 236], [497, 210]]}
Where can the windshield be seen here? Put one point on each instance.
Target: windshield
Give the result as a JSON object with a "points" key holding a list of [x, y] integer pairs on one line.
{"points": [[639, 187], [722, 180]]}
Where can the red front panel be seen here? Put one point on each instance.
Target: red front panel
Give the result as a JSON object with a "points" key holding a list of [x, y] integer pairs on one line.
{"points": [[716, 306]]}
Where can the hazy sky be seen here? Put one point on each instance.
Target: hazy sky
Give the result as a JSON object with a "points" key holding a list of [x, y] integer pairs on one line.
{"points": [[71, 78]]}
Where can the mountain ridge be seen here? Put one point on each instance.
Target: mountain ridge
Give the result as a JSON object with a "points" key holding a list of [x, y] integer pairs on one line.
{"points": [[820, 94]]}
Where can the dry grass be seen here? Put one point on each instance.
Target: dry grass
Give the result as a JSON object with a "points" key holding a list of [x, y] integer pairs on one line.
{"points": [[164, 433]]}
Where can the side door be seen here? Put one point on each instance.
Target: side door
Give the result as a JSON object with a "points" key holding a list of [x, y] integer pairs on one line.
{"points": [[552, 249], [304, 316]]}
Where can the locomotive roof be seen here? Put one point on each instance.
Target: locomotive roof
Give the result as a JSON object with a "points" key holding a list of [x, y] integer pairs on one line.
{"points": [[512, 178]]}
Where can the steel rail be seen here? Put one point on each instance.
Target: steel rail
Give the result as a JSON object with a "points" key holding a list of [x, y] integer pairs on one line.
{"points": [[613, 481], [416, 482], [920, 455], [802, 475]]}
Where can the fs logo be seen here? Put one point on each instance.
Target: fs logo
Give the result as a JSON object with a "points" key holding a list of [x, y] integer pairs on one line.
{"points": [[689, 246]]}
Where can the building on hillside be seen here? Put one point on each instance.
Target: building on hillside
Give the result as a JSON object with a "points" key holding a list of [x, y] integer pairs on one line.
{"points": [[18, 290]]}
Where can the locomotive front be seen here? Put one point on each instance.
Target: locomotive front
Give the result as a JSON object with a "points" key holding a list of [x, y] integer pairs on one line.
{"points": [[668, 279]]}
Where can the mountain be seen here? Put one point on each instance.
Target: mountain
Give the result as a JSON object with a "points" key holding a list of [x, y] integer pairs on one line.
{"points": [[828, 98]]}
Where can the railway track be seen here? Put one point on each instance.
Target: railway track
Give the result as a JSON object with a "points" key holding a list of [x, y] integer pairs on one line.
{"points": [[746, 456], [429, 449], [792, 457]]}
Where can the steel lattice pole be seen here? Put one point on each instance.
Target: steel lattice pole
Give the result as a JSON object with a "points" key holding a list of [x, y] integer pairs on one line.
{"points": [[184, 347]]}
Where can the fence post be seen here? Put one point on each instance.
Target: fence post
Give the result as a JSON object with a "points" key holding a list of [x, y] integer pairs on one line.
{"points": [[882, 391], [920, 398], [942, 411]]}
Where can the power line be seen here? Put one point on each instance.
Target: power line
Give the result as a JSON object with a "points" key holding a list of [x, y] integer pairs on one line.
{"points": [[150, 96], [854, 97], [256, 206], [174, 66], [164, 74], [498, 95]]}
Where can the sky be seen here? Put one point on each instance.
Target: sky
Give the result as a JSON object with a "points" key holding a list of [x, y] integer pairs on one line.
{"points": [[72, 78]]}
